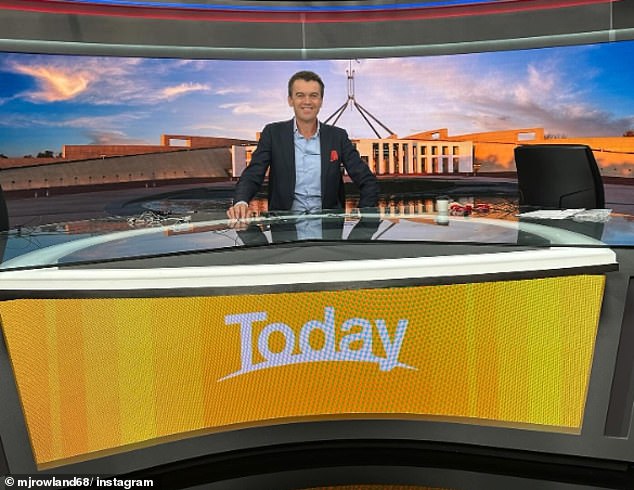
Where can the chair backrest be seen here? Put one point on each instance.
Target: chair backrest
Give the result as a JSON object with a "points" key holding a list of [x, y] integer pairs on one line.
{"points": [[558, 176]]}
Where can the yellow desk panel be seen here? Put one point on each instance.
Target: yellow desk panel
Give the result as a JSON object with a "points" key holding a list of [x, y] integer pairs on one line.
{"points": [[100, 376]]}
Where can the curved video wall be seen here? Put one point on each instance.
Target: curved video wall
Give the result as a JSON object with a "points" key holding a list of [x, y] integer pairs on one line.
{"points": [[493, 74], [66, 108]]}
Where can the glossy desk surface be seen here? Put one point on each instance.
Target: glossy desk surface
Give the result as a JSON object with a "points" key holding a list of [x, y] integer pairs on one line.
{"points": [[117, 238], [373, 247]]}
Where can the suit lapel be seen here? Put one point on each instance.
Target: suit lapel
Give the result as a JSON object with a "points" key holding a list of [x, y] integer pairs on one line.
{"points": [[324, 145], [289, 156]]}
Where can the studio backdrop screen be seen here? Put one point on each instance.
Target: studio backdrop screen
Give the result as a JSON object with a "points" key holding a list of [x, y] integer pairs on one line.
{"points": [[575, 93]]}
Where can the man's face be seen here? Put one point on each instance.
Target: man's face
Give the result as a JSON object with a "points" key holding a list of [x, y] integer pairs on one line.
{"points": [[306, 100]]}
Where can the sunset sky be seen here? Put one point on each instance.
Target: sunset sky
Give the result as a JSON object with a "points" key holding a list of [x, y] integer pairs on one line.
{"points": [[47, 101]]}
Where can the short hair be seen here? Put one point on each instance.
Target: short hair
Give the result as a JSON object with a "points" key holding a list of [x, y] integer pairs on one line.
{"points": [[308, 76]]}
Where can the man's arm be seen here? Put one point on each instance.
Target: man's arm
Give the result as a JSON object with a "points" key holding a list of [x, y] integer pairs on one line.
{"points": [[360, 173], [252, 177]]}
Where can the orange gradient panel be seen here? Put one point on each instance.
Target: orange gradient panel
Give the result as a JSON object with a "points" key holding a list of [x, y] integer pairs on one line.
{"points": [[97, 376]]}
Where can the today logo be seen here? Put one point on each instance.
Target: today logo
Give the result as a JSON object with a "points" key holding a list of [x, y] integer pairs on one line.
{"points": [[328, 352]]}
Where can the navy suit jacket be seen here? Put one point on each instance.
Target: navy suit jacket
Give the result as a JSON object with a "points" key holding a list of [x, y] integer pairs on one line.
{"points": [[276, 152]]}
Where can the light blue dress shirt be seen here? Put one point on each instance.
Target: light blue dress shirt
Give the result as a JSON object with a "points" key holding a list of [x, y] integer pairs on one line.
{"points": [[307, 172]]}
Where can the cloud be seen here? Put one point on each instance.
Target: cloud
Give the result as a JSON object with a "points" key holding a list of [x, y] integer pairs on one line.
{"points": [[66, 78], [480, 92], [182, 89], [112, 138], [55, 84], [106, 81], [206, 127], [133, 89], [249, 108], [14, 120], [111, 122], [230, 126], [548, 96], [232, 90]]}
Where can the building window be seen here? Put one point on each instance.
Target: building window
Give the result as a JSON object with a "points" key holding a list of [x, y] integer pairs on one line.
{"points": [[406, 169], [386, 157], [397, 160], [415, 158]]}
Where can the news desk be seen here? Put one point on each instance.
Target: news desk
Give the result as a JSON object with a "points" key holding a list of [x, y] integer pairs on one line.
{"points": [[128, 349]]}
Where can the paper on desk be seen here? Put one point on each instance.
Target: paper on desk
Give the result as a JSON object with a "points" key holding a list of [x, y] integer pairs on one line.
{"points": [[551, 213], [581, 214], [594, 215]]}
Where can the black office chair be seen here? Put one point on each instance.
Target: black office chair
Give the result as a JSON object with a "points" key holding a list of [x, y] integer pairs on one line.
{"points": [[558, 176]]}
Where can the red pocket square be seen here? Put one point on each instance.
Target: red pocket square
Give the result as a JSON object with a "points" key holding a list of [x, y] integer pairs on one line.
{"points": [[334, 156]]}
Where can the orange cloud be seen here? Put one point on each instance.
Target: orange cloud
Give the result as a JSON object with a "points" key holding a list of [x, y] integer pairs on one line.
{"points": [[54, 83]]}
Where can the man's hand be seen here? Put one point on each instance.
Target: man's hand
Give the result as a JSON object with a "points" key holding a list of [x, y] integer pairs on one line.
{"points": [[238, 213]]}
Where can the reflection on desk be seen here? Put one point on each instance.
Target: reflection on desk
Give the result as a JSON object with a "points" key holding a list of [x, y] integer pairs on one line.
{"points": [[44, 248]]}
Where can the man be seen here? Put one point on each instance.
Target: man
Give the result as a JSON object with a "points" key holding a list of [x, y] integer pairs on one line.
{"points": [[303, 157]]}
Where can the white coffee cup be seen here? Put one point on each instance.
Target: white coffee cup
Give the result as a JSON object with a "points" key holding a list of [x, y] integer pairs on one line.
{"points": [[442, 210]]}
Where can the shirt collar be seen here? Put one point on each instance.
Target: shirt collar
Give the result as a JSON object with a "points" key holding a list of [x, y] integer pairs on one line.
{"points": [[296, 129]]}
